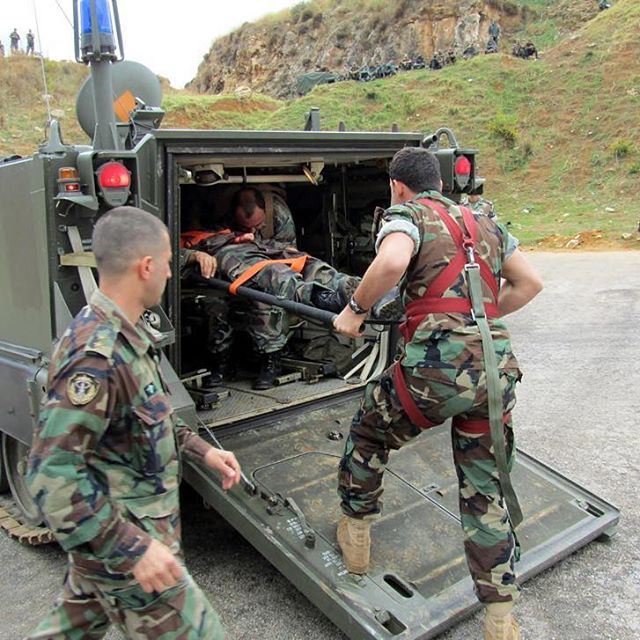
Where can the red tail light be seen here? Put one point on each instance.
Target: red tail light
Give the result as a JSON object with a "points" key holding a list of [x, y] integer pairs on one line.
{"points": [[463, 166], [113, 175]]}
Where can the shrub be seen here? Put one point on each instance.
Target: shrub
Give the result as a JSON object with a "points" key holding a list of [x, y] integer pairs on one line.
{"points": [[634, 169], [504, 127], [621, 149]]}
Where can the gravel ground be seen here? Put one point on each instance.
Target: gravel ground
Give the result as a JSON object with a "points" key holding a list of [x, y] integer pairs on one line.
{"points": [[578, 412]]}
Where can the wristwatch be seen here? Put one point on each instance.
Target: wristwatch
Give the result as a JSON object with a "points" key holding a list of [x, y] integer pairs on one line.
{"points": [[356, 308]]}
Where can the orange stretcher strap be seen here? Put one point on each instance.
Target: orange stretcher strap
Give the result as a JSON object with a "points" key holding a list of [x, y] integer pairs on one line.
{"points": [[297, 264], [190, 239]]}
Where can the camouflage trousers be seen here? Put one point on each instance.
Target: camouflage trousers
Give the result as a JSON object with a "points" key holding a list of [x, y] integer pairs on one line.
{"points": [[266, 325], [89, 605], [381, 424], [279, 279]]}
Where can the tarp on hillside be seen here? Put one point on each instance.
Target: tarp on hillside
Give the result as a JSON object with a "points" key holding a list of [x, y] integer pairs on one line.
{"points": [[307, 81]]}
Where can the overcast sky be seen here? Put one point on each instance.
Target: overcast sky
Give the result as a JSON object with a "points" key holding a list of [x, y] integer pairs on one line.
{"points": [[169, 37]]}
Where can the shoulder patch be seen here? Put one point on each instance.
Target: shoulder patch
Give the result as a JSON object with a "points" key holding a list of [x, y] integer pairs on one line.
{"points": [[82, 388], [102, 340]]}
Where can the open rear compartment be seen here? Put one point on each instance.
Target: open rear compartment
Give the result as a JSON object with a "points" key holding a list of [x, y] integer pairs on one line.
{"points": [[332, 209], [290, 438]]}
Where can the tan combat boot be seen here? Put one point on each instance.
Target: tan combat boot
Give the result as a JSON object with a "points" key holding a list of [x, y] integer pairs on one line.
{"points": [[499, 624], [354, 538]]}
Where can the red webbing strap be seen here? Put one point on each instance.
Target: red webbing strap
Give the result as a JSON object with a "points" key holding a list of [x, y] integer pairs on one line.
{"points": [[450, 273], [485, 272], [189, 239], [407, 401], [297, 264], [418, 309], [476, 427], [432, 301]]}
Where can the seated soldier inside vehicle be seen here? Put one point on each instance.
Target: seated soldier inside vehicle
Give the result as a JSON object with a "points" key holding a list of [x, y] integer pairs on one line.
{"points": [[273, 266]]}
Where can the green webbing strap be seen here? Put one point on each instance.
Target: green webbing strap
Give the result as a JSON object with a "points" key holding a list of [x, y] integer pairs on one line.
{"points": [[493, 390]]}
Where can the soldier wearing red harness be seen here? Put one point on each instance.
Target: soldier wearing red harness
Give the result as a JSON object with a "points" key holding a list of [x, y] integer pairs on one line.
{"points": [[456, 362]]}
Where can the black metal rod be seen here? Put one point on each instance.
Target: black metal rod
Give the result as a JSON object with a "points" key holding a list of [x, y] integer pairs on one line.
{"points": [[320, 315], [299, 308]]}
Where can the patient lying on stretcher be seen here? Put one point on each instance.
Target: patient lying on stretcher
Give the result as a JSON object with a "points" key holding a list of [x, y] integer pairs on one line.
{"points": [[244, 258]]}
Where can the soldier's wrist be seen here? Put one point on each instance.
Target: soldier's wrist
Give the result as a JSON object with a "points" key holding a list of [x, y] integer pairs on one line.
{"points": [[356, 308]]}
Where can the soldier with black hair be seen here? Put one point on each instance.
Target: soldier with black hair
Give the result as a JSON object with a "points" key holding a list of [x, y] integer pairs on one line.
{"points": [[456, 362]]}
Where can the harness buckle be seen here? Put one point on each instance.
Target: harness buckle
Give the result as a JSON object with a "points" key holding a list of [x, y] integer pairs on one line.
{"points": [[468, 249]]}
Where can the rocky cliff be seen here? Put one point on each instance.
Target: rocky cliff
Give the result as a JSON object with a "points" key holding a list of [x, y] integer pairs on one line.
{"points": [[336, 35]]}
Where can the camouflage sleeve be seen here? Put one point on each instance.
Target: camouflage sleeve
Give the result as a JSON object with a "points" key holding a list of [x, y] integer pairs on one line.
{"points": [[398, 219], [284, 229], [509, 242], [190, 443], [183, 258], [69, 495]]}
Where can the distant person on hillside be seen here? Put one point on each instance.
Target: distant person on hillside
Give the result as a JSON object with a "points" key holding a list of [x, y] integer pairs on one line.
{"points": [[30, 43], [492, 45], [494, 31], [529, 50], [603, 4], [14, 36]]}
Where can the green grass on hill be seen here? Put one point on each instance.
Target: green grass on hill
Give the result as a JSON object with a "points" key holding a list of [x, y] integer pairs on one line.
{"points": [[557, 137]]}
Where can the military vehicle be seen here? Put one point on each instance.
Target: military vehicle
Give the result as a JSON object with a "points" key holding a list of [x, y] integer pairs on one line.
{"points": [[288, 439]]}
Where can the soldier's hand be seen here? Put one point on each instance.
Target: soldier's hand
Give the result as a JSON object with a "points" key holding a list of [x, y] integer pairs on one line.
{"points": [[158, 568], [208, 264], [226, 464], [244, 237], [349, 323]]}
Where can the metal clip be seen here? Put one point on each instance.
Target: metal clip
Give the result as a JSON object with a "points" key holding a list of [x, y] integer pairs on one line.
{"points": [[471, 256]]}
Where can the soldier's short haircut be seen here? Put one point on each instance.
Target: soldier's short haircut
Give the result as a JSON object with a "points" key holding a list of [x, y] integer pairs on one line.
{"points": [[123, 235], [247, 198], [416, 167]]}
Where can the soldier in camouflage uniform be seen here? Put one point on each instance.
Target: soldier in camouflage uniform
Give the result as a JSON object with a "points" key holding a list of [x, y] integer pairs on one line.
{"points": [[104, 466], [478, 204], [266, 325], [242, 245], [440, 373]]}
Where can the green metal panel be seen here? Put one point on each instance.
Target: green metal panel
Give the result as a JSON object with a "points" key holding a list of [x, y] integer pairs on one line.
{"points": [[418, 584], [26, 318]]}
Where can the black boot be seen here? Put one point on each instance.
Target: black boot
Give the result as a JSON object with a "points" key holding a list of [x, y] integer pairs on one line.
{"points": [[270, 369], [221, 367]]}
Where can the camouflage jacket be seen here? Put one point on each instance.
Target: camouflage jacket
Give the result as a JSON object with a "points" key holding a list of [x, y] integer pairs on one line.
{"points": [[104, 466], [481, 206], [284, 229], [447, 340]]}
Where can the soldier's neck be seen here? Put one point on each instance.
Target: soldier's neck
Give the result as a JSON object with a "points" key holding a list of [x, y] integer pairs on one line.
{"points": [[121, 297]]}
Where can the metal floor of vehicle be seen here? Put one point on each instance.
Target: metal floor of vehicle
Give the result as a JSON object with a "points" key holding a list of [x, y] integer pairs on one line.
{"points": [[419, 584], [243, 403]]}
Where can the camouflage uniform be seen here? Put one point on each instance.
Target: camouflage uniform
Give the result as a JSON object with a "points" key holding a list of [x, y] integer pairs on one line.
{"points": [[104, 471], [14, 36], [30, 43], [444, 373], [481, 206], [266, 325]]}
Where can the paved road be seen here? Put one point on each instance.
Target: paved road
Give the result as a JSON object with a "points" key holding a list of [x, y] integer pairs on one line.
{"points": [[578, 411]]}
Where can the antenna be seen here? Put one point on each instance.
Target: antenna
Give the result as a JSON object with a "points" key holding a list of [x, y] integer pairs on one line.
{"points": [[96, 44]]}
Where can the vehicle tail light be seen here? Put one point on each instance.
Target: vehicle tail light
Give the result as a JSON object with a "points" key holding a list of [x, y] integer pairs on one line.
{"points": [[114, 175], [68, 180], [462, 171]]}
